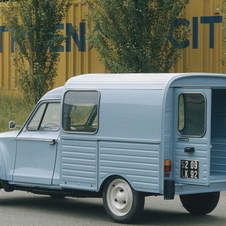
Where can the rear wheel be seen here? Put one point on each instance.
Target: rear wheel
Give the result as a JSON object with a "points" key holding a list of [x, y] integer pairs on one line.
{"points": [[200, 204], [58, 196], [121, 202]]}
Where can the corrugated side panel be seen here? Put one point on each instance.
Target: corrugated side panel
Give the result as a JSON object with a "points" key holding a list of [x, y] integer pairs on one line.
{"points": [[138, 163], [206, 45], [7, 71], [218, 157], [77, 56], [79, 161]]}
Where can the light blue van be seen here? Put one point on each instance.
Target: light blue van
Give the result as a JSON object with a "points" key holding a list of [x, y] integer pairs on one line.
{"points": [[123, 137]]}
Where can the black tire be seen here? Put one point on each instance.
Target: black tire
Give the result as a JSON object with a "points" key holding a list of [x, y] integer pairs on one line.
{"points": [[200, 204], [58, 196], [121, 202]]}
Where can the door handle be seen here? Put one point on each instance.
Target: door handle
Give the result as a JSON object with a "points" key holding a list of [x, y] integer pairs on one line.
{"points": [[53, 141], [189, 149]]}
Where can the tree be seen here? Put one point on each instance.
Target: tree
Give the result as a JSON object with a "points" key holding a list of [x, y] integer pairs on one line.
{"points": [[33, 25], [133, 35]]}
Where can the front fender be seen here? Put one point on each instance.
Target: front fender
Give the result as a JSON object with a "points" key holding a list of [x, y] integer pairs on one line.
{"points": [[3, 175], [7, 154]]}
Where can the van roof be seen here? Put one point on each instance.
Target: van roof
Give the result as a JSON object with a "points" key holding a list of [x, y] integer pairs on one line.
{"points": [[153, 81], [119, 81], [129, 81]]}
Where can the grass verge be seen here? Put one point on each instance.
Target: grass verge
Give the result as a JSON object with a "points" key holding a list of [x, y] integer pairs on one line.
{"points": [[13, 108]]}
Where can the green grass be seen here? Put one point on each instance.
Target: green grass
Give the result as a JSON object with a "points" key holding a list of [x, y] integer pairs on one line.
{"points": [[13, 108]]}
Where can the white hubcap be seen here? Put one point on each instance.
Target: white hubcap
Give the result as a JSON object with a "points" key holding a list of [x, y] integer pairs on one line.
{"points": [[119, 197]]}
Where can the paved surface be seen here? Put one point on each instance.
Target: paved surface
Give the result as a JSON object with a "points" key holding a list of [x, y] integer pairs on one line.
{"points": [[23, 209]]}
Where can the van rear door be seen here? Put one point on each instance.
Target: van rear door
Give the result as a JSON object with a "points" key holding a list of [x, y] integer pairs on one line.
{"points": [[192, 136]]}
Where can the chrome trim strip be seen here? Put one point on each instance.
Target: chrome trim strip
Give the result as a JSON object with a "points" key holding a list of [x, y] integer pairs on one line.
{"points": [[36, 139]]}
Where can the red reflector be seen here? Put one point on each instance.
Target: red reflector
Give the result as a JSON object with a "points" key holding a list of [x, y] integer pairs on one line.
{"points": [[167, 169], [167, 165]]}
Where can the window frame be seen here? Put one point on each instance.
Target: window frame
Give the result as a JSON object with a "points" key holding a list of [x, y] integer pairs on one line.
{"points": [[97, 107], [178, 115]]}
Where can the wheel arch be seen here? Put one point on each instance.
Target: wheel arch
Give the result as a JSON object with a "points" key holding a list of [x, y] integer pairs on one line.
{"points": [[110, 178]]}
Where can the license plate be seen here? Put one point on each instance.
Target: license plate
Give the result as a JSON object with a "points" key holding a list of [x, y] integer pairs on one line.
{"points": [[189, 169]]}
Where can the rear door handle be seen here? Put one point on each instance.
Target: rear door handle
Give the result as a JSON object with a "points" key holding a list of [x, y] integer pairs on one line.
{"points": [[189, 149]]}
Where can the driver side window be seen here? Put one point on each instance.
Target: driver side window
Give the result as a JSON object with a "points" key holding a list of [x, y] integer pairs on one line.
{"points": [[46, 118]]}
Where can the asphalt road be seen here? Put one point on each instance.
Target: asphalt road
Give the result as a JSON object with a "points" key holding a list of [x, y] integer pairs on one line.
{"points": [[23, 209]]}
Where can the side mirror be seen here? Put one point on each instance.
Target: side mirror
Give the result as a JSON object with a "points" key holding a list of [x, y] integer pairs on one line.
{"points": [[12, 125]]}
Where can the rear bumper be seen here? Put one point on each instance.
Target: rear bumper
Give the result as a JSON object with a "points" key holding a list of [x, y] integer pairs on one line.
{"points": [[183, 189]]}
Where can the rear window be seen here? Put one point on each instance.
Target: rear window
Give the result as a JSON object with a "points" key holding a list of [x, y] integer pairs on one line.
{"points": [[80, 111], [191, 114]]}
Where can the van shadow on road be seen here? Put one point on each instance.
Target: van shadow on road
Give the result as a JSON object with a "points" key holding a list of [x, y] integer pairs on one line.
{"points": [[93, 210], [153, 217], [68, 207]]}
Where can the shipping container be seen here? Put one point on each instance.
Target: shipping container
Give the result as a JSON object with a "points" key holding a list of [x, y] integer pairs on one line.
{"points": [[202, 51]]}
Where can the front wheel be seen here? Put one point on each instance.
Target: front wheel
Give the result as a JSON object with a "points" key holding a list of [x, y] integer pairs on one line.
{"points": [[200, 204], [121, 202]]}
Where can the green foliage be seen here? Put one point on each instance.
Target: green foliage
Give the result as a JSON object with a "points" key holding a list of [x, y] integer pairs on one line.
{"points": [[133, 35], [33, 25], [13, 108], [222, 9]]}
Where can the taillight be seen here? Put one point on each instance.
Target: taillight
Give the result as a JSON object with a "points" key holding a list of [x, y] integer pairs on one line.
{"points": [[167, 167]]}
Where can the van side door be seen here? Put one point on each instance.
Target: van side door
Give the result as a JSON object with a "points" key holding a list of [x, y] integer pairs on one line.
{"points": [[37, 145], [192, 136], [79, 163]]}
